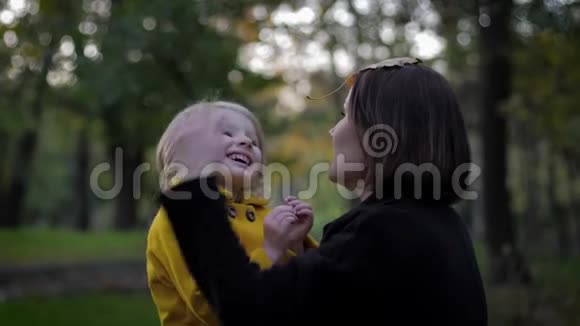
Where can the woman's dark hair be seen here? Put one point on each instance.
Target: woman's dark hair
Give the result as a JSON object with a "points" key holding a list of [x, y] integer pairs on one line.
{"points": [[426, 135]]}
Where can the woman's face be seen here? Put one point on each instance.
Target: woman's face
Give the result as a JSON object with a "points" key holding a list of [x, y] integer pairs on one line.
{"points": [[348, 164]]}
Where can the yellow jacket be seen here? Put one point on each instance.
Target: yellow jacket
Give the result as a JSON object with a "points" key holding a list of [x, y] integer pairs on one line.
{"points": [[178, 299]]}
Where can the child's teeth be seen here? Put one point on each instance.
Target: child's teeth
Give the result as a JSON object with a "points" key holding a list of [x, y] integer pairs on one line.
{"points": [[240, 157]]}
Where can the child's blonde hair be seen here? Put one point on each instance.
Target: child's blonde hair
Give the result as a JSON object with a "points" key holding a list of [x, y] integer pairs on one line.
{"points": [[180, 122]]}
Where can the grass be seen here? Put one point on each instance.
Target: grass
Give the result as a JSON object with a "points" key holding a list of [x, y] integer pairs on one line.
{"points": [[66, 246], [88, 310]]}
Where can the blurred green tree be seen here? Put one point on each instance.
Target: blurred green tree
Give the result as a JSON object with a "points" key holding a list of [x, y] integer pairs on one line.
{"points": [[545, 103], [119, 70], [31, 48]]}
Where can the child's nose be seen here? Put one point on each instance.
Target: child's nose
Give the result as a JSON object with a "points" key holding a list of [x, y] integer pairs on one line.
{"points": [[243, 141]]}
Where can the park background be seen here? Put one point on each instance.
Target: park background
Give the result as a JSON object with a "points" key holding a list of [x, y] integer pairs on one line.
{"points": [[89, 82]]}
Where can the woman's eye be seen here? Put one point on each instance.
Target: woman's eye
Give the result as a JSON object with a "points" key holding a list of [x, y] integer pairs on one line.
{"points": [[342, 114], [254, 143], [227, 133]]}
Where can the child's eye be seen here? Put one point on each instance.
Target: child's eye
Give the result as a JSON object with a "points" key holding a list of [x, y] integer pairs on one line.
{"points": [[227, 133]]}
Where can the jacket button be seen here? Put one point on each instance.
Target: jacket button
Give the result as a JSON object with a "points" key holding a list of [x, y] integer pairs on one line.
{"points": [[250, 215], [232, 212]]}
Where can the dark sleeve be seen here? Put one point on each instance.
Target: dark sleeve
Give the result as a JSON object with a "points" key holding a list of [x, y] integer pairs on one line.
{"points": [[242, 294]]}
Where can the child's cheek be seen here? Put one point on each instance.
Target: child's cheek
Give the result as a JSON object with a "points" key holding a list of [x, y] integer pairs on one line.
{"points": [[258, 155], [227, 140]]}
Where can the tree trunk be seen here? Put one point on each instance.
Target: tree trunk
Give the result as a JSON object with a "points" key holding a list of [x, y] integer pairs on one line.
{"points": [[532, 227], [506, 263], [574, 197], [18, 186], [529, 151], [558, 211], [128, 156], [576, 212], [83, 222], [125, 217]]}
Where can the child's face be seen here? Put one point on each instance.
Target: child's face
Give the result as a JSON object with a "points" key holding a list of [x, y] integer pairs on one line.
{"points": [[238, 136]]}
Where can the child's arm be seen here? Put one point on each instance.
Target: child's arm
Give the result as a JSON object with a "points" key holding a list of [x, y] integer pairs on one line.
{"points": [[171, 308], [177, 296]]}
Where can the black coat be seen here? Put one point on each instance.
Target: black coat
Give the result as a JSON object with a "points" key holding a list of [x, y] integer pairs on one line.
{"points": [[385, 262]]}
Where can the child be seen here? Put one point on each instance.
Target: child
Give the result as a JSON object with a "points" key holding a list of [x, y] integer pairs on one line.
{"points": [[239, 146]]}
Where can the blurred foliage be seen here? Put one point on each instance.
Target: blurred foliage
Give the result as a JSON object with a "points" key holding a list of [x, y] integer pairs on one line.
{"points": [[118, 70], [546, 73], [546, 96]]}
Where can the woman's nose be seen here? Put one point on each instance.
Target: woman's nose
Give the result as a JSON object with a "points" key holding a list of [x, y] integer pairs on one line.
{"points": [[331, 131]]}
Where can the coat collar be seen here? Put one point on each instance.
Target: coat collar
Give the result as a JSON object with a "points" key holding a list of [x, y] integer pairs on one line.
{"points": [[340, 223], [254, 201]]}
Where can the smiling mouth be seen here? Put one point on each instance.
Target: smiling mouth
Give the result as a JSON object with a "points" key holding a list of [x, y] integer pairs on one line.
{"points": [[240, 158]]}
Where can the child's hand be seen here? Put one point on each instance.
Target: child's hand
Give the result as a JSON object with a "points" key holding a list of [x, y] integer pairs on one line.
{"points": [[283, 229], [276, 235], [305, 215], [303, 209]]}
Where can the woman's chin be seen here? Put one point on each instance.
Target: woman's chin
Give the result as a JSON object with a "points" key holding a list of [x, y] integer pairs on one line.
{"points": [[332, 176], [346, 180]]}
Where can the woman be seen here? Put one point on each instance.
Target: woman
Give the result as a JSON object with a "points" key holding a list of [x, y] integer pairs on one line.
{"points": [[401, 257]]}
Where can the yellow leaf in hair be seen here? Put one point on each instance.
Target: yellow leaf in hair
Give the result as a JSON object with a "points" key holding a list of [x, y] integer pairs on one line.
{"points": [[350, 80], [399, 62]]}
